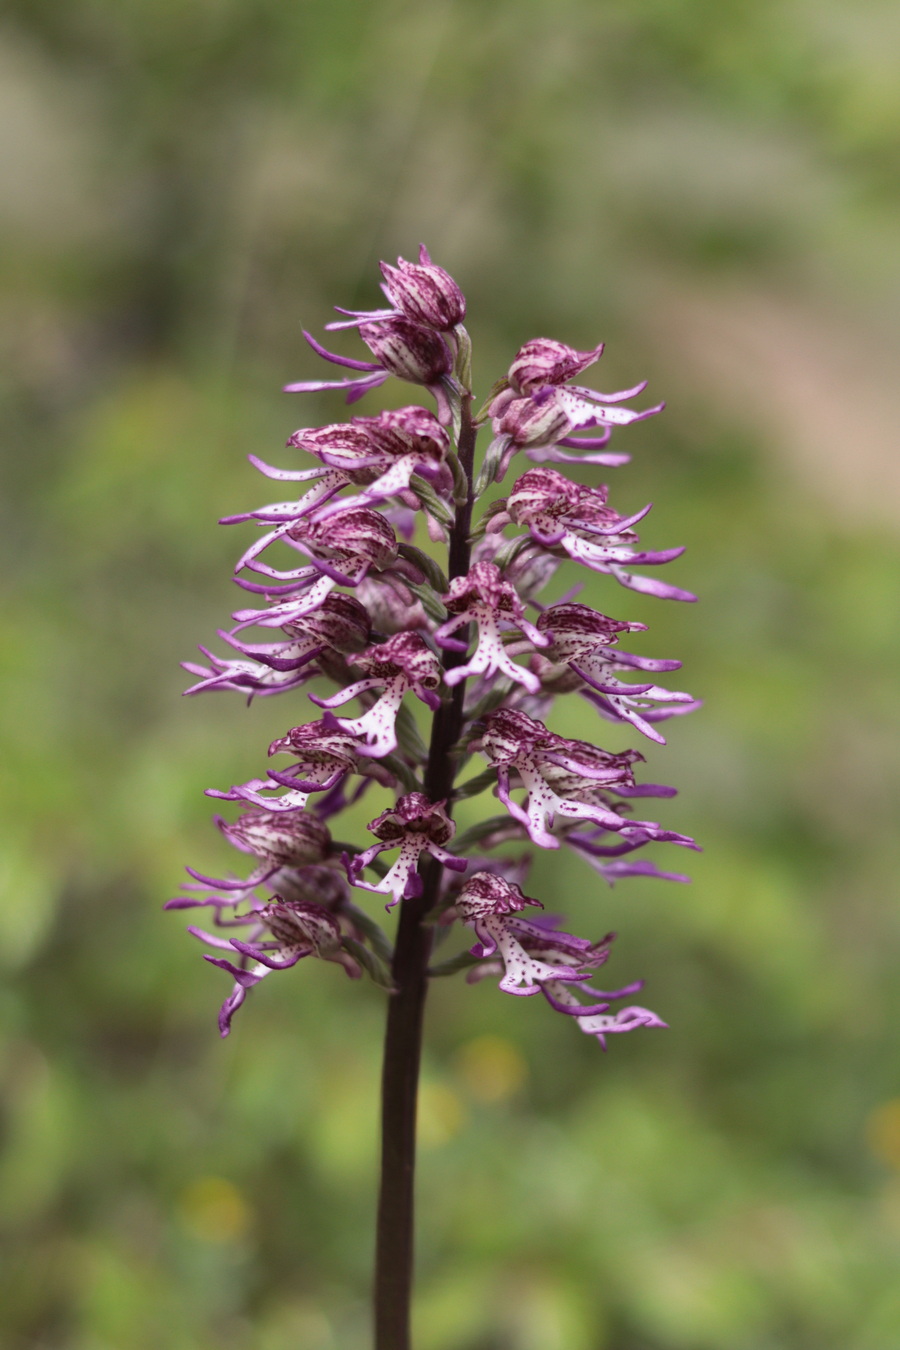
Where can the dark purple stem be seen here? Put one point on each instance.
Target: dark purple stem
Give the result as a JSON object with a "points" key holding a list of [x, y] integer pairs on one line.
{"points": [[403, 1037]]}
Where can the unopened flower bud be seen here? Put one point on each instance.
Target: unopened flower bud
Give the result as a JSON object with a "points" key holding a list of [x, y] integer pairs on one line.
{"points": [[391, 605], [316, 885], [341, 622], [285, 838], [297, 923], [424, 292], [356, 533], [543, 361], [487, 893]]}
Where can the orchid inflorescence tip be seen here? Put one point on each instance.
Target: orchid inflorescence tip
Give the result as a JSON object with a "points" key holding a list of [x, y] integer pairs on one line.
{"points": [[369, 610]]}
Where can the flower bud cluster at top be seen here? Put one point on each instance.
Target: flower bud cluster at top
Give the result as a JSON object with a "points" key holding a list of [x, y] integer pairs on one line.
{"points": [[377, 616]]}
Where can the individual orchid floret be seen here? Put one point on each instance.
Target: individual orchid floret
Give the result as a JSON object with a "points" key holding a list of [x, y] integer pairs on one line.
{"points": [[489, 904], [324, 753], [284, 931], [278, 839], [347, 457], [577, 521], [409, 350], [557, 954], [312, 535], [401, 664], [543, 361], [485, 598], [538, 376], [343, 547], [245, 677], [340, 626], [581, 638], [404, 442], [401, 347], [380, 454], [414, 825], [419, 291], [530, 568], [424, 292], [560, 776]]}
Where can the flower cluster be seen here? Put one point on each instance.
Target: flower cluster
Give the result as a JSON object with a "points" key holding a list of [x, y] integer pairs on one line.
{"points": [[477, 641]]}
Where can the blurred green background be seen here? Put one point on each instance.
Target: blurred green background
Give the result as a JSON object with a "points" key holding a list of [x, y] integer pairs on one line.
{"points": [[713, 189]]}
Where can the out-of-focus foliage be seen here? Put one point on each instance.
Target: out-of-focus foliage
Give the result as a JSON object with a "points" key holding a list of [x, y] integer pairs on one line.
{"points": [[710, 187]]}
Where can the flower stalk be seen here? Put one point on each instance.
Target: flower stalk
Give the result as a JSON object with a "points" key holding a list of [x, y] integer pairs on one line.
{"points": [[394, 1254], [380, 617]]}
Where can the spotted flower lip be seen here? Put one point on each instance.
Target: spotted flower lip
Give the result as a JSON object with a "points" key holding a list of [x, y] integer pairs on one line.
{"points": [[485, 598], [582, 638], [489, 904], [536, 957], [560, 776], [577, 520], [403, 663], [415, 825], [282, 933]]}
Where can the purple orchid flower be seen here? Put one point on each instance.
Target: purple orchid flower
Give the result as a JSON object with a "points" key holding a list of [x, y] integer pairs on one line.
{"points": [[401, 664], [560, 777], [581, 639], [415, 825], [485, 598], [562, 515], [283, 933]]}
